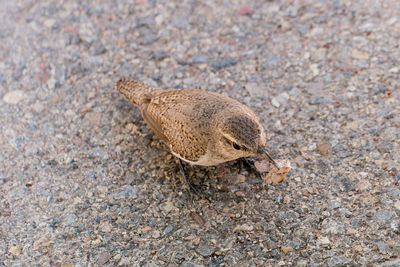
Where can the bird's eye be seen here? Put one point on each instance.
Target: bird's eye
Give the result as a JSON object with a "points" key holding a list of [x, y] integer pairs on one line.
{"points": [[236, 146]]}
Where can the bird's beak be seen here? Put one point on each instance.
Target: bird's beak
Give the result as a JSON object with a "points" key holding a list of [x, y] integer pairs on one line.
{"points": [[261, 151]]}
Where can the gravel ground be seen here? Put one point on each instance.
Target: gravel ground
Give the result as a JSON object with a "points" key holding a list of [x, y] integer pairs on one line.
{"points": [[84, 181]]}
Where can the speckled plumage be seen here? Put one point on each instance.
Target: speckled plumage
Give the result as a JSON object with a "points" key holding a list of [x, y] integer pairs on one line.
{"points": [[200, 127]]}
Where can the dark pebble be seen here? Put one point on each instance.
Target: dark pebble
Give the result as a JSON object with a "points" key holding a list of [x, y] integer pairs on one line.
{"points": [[223, 63]]}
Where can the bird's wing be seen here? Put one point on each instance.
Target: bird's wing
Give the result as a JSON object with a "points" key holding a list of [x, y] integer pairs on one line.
{"points": [[173, 117], [157, 129]]}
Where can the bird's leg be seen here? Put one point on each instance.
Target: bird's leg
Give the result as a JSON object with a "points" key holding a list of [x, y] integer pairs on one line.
{"points": [[250, 165], [191, 187]]}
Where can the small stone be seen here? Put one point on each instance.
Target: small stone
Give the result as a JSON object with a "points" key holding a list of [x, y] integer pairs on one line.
{"points": [[15, 250], [243, 227], [285, 25], [167, 207], [285, 250], [159, 19], [240, 194], [70, 219], [239, 179], [168, 229], [38, 107], [383, 215], [364, 185], [323, 148], [204, 250], [255, 90], [14, 97], [395, 226], [98, 49], [93, 118], [155, 234], [126, 192], [383, 247], [324, 240], [337, 261], [314, 69], [394, 70], [197, 218], [51, 83], [244, 9], [332, 227], [280, 99], [104, 258], [49, 23], [348, 185], [357, 54], [391, 263], [223, 63], [105, 227], [317, 56], [302, 263], [275, 102], [44, 241], [287, 199], [199, 59], [69, 113]]}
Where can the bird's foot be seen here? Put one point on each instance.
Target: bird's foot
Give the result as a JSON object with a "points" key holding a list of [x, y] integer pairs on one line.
{"points": [[190, 185]]}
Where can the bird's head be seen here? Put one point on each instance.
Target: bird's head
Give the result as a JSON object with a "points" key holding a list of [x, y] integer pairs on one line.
{"points": [[241, 135]]}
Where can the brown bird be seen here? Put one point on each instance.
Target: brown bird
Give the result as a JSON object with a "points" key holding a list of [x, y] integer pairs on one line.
{"points": [[200, 127]]}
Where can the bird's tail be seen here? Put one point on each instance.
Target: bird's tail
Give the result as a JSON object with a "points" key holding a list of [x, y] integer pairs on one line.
{"points": [[134, 90]]}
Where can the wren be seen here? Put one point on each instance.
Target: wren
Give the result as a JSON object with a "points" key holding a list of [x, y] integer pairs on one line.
{"points": [[199, 127]]}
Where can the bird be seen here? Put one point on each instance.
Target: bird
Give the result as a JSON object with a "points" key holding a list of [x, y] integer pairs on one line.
{"points": [[199, 127]]}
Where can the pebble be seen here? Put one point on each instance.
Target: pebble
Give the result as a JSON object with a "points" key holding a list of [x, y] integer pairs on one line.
{"points": [[126, 192], [314, 69], [51, 83], [324, 240], [200, 59], [103, 258], [49, 23], [364, 185], [285, 250], [223, 63], [98, 49], [275, 102], [243, 9], [44, 241], [256, 90], [337, 261], [15, 250], [168, 230], [204, 250], [383, 247], [280, 100], [356, 54], [14, 97], [93, 118], [323, 148], [167, 207], [383, 215], [38, 107], [391, 263], [70, 219], [243, 227]]}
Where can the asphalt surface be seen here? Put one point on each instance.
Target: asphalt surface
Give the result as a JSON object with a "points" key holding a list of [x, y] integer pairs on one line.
{"points": [[84, 181]]}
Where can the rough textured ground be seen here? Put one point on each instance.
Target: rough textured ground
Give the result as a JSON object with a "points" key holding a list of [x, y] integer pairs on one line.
{"points": [[83, 181]]}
